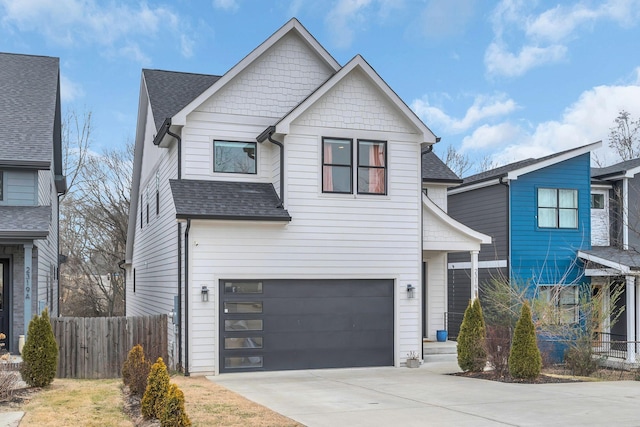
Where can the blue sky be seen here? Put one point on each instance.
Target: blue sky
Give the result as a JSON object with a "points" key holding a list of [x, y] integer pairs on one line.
{"points": [[510, 79]]}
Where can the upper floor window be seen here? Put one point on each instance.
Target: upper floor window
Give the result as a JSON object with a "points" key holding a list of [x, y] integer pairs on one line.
{"points": [[337, 172], [557, 208], [234, 157], [338, 166], [1, 185], [597, 201], [372, 164]]}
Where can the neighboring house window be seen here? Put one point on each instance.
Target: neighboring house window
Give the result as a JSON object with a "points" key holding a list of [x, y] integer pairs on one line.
{"points": [[372, 162], [597, 201], [157, 193], [1, 185], [337, 172], [234, 157], [134, 280], [141, 213], [338, 165], [557, 208], [562, 304]]}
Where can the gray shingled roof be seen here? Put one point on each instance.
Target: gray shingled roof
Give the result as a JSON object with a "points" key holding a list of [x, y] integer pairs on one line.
{"points": [[31, 222], [504, 170], [434, 169], [198, 199], [29, 86], [616, 169], [171, 91], [630, 259]]}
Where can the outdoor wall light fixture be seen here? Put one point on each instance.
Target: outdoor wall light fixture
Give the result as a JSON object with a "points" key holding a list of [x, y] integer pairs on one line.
{"points": [[411, 291], [204, 293]]}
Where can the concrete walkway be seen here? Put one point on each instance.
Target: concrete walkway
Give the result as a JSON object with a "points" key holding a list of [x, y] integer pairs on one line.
{"points": [[426, 397], [10, 419]]}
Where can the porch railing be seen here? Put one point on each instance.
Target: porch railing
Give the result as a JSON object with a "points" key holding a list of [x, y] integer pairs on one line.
{"points": [[613, 345]]}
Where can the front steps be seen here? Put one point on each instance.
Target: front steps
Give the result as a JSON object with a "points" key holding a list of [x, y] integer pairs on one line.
{"points": [[435, 351]]}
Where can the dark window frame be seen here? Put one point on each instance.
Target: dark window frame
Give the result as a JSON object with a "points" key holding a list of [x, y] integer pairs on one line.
{"points": [[383, 167], [337, 165], [1, 186], [558, 209], [255, 154]]}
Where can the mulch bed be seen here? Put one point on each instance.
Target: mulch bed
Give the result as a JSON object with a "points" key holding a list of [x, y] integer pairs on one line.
{"points": [[131, 407], [492, 376]]}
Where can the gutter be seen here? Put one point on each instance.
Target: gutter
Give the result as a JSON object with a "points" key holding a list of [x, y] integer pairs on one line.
{"points": [[186, 298], [267, 135], [165, 129], [505, 182]]}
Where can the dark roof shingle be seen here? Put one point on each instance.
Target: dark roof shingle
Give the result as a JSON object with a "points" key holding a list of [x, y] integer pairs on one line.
{"points": [[199, 199], [29, 88], [25, 221], [171, 91], [618, 168], [434, 169]]}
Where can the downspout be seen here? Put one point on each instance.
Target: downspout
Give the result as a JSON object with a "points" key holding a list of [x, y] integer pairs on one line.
{"points": [[124, 278], [268, 135], [186, 297], [506, 184], [186, 320]]}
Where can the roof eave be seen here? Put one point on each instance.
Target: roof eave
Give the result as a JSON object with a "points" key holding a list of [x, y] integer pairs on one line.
{"points": [[267, 218]]}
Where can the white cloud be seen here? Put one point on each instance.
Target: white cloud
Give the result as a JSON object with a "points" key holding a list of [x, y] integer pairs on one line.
{"points": [[547, 34], [75, 22], [491, 136], [344, 17], [483, 108], [229, 5], [440, 19], [69, 91], [587, 120]]}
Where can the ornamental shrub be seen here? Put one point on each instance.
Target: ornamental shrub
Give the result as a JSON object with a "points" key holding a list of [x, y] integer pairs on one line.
{"points": [[472, 355], [525, 361], [135, 371], [155, 395], [40, 353], [173, 414]]}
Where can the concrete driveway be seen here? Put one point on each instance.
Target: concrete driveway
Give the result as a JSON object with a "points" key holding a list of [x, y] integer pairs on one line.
{"points": [[426, 397]]}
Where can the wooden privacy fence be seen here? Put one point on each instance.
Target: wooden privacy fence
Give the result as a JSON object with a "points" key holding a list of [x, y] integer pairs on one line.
{"points": [[96, 347]]}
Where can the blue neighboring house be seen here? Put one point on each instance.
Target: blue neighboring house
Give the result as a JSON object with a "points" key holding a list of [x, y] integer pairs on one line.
{"points": [[537, 212]]}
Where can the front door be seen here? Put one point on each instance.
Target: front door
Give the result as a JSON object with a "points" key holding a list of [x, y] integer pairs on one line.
{"points": [[4, 304]]}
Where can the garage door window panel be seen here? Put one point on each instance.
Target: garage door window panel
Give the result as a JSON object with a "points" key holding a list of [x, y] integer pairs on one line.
{"points": [[242, 343], [243, 362], [243, 287], [243, 307]]}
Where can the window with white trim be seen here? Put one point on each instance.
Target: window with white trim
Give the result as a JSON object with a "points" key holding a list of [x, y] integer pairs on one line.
{"points": [[338, 166], [557, 208], [597, 201], [563, 303]]}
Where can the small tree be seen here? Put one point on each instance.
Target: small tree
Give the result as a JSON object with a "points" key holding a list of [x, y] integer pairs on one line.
{"points": [[135, 371], [525, 360], [155, 395], [472, 355], [173, 414], [40, 353]]}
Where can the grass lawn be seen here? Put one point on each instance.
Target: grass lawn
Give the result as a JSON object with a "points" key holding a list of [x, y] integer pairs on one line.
{"points": [[69, 402]]}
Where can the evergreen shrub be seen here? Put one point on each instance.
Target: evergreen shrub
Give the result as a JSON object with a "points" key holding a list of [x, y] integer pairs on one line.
{"points": [[525, 361], [173, 414], [155, 394], [40, 353], [472, 355]]}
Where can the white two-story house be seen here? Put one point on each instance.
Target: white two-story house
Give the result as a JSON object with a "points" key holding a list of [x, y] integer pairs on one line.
{"points": [[31, 179], [278, 214]]}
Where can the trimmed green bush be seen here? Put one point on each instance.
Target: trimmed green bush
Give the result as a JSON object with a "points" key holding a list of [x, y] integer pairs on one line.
{"points": [[135, 371], [472, 355], [173, 414], [155, 395], [40, 353], [525, 361]]}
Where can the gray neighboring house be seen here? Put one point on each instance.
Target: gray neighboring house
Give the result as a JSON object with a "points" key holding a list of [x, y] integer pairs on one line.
{"points": [[31, 179]]}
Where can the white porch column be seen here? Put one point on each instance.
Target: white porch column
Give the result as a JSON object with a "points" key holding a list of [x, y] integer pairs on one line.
{"points": [[28, 270], [631, 317], [474, 275], [637, 310]]}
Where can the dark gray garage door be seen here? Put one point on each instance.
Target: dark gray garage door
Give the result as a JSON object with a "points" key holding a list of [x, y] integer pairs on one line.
{"points": [[305, 324]]}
